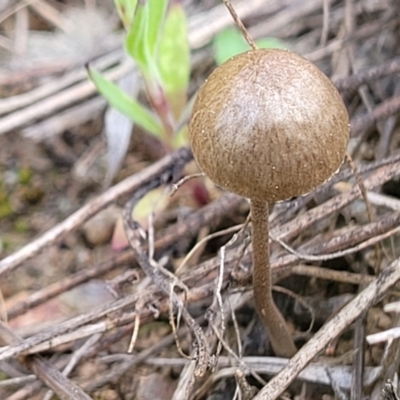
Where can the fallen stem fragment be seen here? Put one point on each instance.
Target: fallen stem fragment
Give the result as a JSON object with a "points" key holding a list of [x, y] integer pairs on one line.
{"points": [[369, 296]]}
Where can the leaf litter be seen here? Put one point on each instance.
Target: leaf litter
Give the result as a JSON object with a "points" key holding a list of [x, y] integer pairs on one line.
{"points": [[355, 43]]}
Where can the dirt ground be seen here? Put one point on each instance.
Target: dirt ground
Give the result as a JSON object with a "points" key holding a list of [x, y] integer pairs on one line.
{"points": [[74, 294]]}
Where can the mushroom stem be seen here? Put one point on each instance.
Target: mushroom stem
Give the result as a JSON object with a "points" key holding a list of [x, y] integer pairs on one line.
{"points": [[281, 340]]}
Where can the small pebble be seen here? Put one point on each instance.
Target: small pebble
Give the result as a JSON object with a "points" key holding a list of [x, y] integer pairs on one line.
{"points": [[155, 386], [99, 229]]}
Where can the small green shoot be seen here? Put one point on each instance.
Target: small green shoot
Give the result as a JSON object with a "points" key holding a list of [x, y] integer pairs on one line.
{"points": [[157, 41]]}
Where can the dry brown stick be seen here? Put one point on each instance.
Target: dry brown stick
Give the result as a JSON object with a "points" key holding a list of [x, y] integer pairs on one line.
{"points": [[100, 312], [368, 231], [360, 184], [390, 360], [377, 178], [194, 275], [68, 283], [56, 85], [314, 373], [289, 260], [73, 323], [55, 380], [331, 275], [64, 120], [369, 235], [14, 380], [18, 77], [27, 391], [330, 331], [75, 358], [225, 205], [127, 362], [352, 82], [365, 31], [194, 295], [210, 215], [240, 25], [163, 282], [113, 321], [279, 15], [85, 331], [169, 163], [13, 9], [325, 245], [52, 15], [325, 22], [360, 236], [57, 102], [330, 256], [46, 372], [204, 26], [289, 209], [381, 112]]}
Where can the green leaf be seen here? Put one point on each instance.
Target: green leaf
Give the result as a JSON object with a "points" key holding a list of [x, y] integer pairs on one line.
{"points": [[271, 43], [136, 40], [125, 104], [156, 15], [227, 44], [230, 42], [144, 36], [174, 58], [126, 10]]}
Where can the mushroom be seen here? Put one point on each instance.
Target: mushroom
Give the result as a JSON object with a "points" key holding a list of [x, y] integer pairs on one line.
{"points": [[268, 125]]}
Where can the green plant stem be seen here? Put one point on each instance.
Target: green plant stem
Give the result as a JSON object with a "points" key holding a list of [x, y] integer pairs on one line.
{"points": [[159, 103], [279, 335]]}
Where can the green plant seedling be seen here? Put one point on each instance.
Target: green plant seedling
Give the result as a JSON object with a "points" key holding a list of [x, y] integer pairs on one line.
{"points": [[157, 41]]}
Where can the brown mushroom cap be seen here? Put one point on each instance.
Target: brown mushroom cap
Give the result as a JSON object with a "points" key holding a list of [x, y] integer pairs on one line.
{"points": [[269, 125]]}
